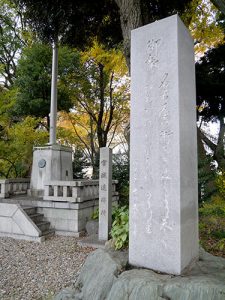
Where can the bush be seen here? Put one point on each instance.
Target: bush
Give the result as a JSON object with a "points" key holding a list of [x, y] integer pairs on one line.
{"points": [[220, 246], [121, 173], [120, 227], [215, 207], [212, 226], [80, 162], [220, 183]]}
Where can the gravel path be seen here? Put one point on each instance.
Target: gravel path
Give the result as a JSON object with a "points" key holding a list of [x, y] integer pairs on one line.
{"points": [[31, 270]]}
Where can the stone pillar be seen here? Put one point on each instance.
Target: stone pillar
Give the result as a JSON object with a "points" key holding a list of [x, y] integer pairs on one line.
{"points": [[105, 193], [163, 148], [53, 109], [52, 162]]}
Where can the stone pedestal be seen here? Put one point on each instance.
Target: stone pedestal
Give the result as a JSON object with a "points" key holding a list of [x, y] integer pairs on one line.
{"points": [[163, 148], [50, 163], [105, 193]]}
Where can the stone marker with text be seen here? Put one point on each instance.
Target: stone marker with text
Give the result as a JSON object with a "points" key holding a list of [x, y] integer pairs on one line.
{"points": [[105, 193], [163, 148]]}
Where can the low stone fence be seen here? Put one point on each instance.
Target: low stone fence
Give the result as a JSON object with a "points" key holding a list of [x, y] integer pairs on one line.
{"points": [[15, 186], [74, 191]]}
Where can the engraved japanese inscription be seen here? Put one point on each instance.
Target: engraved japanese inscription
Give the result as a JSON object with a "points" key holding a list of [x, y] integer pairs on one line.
{"points": [[105, 192], [163, 172]]}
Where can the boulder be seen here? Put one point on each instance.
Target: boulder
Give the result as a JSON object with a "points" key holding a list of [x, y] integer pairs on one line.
{"points": [[92, 227], [138, 284], [106, 275], [99, 273], [66, 294]]}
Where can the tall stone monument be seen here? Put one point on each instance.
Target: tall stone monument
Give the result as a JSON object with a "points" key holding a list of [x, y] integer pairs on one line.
{"points": [[105, 193], [163, 150], [51, 162]]}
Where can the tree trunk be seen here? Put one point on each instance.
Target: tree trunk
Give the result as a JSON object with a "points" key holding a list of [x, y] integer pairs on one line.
{"points": [[48, 122], [219, 152], [204, 168], [100, 130], [95, 174], [220, 4], [130, 18]]}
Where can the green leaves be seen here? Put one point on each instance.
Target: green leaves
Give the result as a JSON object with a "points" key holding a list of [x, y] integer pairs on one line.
{"points": [[120, 227], [34, 80], [95, 215], [16, 146], [212, 224], [121, 173], [11, 41], [201, 17]]}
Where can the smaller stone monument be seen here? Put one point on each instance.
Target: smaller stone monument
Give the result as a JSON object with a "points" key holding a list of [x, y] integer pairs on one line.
{"points": [[51, 162], [105, 193]]}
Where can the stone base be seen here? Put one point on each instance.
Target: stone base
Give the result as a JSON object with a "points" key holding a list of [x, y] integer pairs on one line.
{"points": [[92, 241], [53, 162], [23, 237], [104, 276], [35, 193], [69, 233], [68, 219]]}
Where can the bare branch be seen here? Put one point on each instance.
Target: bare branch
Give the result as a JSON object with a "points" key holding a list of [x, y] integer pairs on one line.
{"points": [[79, 137]]}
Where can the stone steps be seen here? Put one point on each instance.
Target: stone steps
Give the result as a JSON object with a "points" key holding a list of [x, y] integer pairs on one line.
{"points": [[48, 233], [30, 210], [36, 217], [39, 220], [43, 226]]}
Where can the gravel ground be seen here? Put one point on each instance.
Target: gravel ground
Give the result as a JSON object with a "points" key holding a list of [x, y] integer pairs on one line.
{"points": [[30, 270]]}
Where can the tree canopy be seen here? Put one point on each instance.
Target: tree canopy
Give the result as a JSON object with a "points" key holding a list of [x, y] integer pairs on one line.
{"points": [[203, 20], [34, 80], [74, 22], [100, 92], [11, 42], [210, 73], [77, 22]]}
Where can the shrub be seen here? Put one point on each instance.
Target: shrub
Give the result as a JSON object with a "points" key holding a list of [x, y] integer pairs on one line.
{"points": [[220, 246], [121, 173], [212, 226], [80, 162], [215, 207], [220, 183], [120, 227]]}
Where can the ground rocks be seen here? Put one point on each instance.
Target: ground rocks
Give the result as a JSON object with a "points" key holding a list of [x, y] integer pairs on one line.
{"points": [[30, 270], [103, 276]]}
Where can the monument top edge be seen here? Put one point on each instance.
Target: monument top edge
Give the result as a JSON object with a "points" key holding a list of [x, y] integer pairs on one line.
{"points": [[53, 147], [174, 17]]}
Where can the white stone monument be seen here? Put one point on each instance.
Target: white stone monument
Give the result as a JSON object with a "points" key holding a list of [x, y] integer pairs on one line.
{"points": [[105, 193], [51, 162], [163, 148]]}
